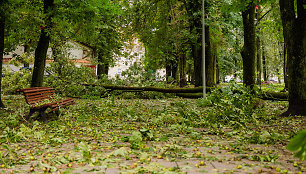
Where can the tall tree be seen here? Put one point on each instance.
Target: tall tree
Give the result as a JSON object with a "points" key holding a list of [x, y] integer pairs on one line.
{"points": [[248, 52], [294, 30], [101, 30], [194, 12], [193, 8], [2, 28], [42, 46], [264, 64], [258, 47]]}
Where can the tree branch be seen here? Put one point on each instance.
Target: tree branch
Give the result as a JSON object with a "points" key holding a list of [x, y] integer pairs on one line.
{"points": [[264, 15]]}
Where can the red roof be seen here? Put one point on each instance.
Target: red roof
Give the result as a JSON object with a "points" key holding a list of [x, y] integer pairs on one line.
{"points": [[6, 59]]}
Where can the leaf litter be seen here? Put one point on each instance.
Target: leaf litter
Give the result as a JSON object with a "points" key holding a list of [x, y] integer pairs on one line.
{"points": [[146, 136]]}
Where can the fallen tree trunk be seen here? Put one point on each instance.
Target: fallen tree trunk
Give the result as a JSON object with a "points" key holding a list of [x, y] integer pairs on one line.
{"points": [[188, 92], [151, 88], [271, 95], [268, 95]]}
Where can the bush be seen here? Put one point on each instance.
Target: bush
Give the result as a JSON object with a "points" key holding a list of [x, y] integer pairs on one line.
{"points": [[17, 80], [233, 105]]}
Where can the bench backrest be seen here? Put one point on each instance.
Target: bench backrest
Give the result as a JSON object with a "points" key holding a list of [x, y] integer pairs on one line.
{"points": [[37, 94]]}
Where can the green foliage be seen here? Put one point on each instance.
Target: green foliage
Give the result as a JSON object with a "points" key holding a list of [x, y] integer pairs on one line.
{"points": [[233, 105], [298, 144], [135, 140], [71, 80], [13, 81], [257, 137]]}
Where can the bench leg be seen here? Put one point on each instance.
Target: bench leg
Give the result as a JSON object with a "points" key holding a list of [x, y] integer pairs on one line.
{"points": [[43, 115], [30, 114], [57, 112]]}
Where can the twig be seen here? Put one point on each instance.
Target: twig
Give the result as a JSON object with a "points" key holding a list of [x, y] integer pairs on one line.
{"points": [[213, 165]]}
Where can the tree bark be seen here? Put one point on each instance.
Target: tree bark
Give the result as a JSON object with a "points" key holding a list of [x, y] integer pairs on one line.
{"points": [[174, 70], [197, 61], [269, 95], [168, 71], [27, 52], [209, 60], [217, 71], [264, 64], [182, 67], [195, 27], [294, 30], [258, 46], [189, 70], [151, 88], [100, 68], [285, 68], [42, 47], [248, 52], [2, 28], [259, 55], [214, 54], [103, 66]]}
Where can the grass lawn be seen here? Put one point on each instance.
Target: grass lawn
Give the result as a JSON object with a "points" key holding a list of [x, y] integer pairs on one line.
{"points": [[113, 135]]}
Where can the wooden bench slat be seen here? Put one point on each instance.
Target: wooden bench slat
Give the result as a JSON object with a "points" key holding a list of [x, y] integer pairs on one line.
{"points": [[40, 93], [38, 96], [35, 89]]}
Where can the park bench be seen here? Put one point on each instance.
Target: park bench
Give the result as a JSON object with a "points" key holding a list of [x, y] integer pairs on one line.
{"points": [[42, 98]]}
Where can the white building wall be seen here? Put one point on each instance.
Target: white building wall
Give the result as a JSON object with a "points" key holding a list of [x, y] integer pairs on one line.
{"points": [[136, 54]]}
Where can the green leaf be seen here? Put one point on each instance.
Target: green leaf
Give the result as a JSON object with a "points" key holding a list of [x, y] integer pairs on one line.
{"points": [[120, 152], [298, 141]]}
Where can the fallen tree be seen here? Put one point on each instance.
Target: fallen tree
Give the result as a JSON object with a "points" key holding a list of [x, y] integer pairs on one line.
{"points": [[151, 88], [266, 95], [188, 92]]}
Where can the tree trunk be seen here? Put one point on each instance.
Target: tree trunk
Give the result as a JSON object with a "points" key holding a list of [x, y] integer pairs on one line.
{"points": [[100, 68], [197, 61], [168, 71], [264, 65], [182, 68], [294, 30], [151, 88], [209, 59], [2, 28], [268, 95], [258, 47], [217, 71], [248, 52], [42, 47], [106, 68], [214, 55], [285, 68], [278, 75], [27, 52], [189, 67], [196, 45], [103, 66], [258, 43], [174, 70]]}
